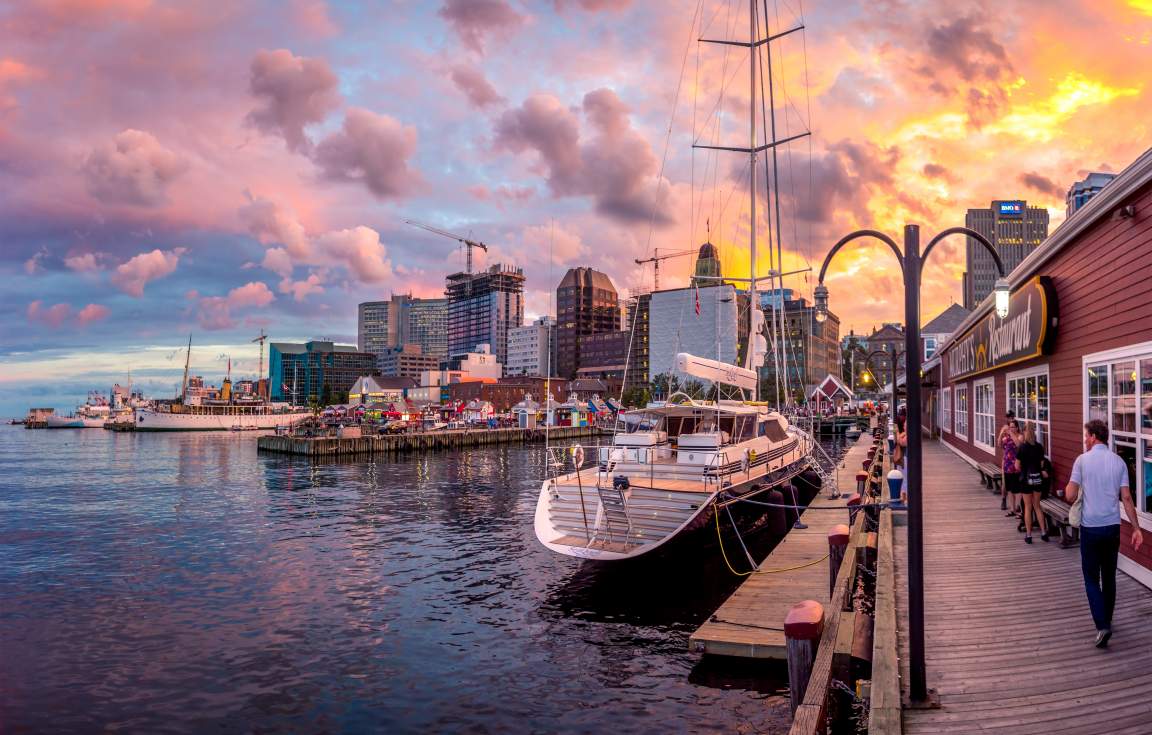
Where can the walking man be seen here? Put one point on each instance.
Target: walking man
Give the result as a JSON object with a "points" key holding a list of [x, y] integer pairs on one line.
{"points": [[1103, 478]]}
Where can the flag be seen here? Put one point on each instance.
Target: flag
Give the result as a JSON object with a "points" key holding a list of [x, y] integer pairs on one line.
{"points": [[697, 299]]}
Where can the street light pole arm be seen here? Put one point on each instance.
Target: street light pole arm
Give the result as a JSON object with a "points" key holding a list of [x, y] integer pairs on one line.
{"points": [[970, 233], [853, 236]]}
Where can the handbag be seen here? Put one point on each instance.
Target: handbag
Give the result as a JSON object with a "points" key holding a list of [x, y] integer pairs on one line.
{"points": [[1076, 512], [1033, 479]]}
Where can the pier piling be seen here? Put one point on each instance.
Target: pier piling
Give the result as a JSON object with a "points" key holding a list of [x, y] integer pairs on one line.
{"points": [[803, 627]]}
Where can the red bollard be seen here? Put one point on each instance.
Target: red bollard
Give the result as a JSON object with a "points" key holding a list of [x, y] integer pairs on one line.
{"points": [[854, 504], [837, 545], [861, 481], [803, 626]]}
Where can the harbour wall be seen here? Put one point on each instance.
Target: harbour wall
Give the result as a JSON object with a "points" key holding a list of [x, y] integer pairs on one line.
{"points": [[452, 439]]}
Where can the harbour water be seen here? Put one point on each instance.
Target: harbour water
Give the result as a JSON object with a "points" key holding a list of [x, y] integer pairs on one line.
{"points": [[182, 582]]}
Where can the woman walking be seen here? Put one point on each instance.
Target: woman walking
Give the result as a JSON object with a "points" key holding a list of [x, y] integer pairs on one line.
{"points": [[1030, 469]]}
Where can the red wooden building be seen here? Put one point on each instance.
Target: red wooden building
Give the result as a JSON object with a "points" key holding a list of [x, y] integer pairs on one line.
{"points": [[1076, 345]]}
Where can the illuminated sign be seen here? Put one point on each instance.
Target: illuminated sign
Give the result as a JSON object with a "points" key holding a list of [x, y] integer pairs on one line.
{"points": [[1011, 209], [1027, 332]]}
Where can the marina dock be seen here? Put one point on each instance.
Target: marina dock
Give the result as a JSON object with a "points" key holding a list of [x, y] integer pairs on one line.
{"points": [[750, 623], [426, 440], [1007, 629]]}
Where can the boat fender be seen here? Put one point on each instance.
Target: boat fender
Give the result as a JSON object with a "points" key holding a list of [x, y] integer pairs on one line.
{"points": [[620, 482]]}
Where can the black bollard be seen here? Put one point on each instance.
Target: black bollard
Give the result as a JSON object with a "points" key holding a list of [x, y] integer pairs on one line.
{"points": [[777, 517]]}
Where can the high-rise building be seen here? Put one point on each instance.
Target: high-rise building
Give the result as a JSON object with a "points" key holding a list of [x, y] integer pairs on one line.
{"points": [[1082, 191], [1014, 229], [406, 361], [529, 347], [586, 303], [386, 325], [316, 371], [603, 355], [482, 307], [707, 269], [718, 331], [810, 350], [639, 308]]}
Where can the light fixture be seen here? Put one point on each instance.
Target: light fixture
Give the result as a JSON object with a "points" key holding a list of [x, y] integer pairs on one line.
{"points": [[1003, 292], [820, 294]]}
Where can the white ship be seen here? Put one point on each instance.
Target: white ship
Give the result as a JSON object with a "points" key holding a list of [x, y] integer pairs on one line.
{"points": [[668, 470], [91, 415], [225, 417]]}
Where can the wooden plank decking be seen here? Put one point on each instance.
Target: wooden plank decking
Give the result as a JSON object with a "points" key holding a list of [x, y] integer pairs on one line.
{"points": [[751, 622], [1007, 628]]}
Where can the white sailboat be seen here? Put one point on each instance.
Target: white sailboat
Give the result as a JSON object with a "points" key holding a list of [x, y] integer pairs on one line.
{"points": [[672, 467]]}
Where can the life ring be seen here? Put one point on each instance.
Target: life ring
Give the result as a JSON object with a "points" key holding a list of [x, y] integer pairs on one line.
{"points": [[577, 456]]}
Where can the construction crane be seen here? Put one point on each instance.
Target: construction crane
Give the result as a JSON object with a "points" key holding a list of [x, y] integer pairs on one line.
{"points": [[655, 261], [466, 242], [259, 375]]}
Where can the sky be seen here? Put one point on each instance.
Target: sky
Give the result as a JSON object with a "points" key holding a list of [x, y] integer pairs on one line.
{"points": [[222, 168]]}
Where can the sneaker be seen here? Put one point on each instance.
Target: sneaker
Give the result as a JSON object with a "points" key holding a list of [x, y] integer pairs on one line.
{"points": [[1102, 637]]}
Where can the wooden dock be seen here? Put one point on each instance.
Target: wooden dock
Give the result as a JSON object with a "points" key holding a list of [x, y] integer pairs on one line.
{"points": [[426, 440], [750, 623], [1007, 628]]}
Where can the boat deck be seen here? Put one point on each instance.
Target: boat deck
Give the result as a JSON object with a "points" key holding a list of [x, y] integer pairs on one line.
{"points": [[750, 623]]}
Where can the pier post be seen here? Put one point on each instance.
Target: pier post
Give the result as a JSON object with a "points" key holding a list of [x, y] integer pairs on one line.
{"points": [[854, 504], [837, 545], [803, 626], [861, 481]]}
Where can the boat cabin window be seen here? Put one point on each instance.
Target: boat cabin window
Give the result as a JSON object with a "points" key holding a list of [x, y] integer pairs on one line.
{"points": [[678, 425], [634, 422], [772, 429]]}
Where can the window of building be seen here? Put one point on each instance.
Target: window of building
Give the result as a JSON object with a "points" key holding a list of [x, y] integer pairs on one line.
{"points": [[961, 412], [984, 414], [946, 410], [929, 347], [1118, 391], [1028, 400]]}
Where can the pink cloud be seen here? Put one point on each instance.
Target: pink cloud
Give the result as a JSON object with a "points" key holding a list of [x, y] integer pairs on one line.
{"points": [[53, 316], [371, 149], [133, 169], [312, 17], [294, 92], [475, 86], [360, 249], [300, 290], [270, 224], [475, 20], [91, 313], [278, 261], [615, 166], [215, 312], [253, 293], [593, 6], [32, 265], [131, 276], [82, 263]]}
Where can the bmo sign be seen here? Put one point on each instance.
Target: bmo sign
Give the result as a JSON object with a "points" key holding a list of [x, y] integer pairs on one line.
{"points": [[1010, 209]]}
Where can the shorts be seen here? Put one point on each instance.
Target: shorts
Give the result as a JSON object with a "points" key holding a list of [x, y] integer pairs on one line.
{"points": [[1025, 489], [1012, 482]]}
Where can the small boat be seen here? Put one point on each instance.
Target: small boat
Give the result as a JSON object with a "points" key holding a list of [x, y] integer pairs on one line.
{"points": [[852, 432], [91, 415]]}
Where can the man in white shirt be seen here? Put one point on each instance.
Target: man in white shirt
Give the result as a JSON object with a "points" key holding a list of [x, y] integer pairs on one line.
{"points": [[1103, 478]]}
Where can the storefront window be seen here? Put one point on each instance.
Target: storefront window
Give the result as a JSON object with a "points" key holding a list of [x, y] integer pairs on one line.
{"points": [[1028, 399], [1146, 396], [946, 410], [961, 417], [1124, 397], [1098, 393], [984, 422]]}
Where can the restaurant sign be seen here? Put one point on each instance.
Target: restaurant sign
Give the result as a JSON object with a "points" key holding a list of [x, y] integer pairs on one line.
{"points": [[1028, 331]]}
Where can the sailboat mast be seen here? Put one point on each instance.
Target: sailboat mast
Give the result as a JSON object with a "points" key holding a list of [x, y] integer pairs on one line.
{"points": [[187, 360], [752, 52], [783, 364]]}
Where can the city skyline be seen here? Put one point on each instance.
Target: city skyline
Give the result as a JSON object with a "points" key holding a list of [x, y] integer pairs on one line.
{"points": [[217, 171]]}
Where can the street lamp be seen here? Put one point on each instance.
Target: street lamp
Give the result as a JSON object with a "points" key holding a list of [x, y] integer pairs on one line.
{"points": [[911, 264], [894, 357]]}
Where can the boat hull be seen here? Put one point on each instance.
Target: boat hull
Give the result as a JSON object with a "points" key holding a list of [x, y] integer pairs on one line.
{"points": [[75, 422], [156, 421]]}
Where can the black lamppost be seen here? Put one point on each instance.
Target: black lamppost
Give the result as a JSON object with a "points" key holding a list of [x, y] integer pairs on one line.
{"points": [[911, 264]]}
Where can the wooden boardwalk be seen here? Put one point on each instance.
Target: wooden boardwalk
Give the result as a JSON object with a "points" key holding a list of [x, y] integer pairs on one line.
{"points": [[750, 623], [1007, 628]]}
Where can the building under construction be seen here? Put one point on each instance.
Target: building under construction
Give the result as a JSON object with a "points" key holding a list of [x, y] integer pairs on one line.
{"points": [[482, 307]]}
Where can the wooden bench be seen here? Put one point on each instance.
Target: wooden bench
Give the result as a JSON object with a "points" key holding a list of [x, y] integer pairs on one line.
{"points": [[990, 475], [1057, 512]]}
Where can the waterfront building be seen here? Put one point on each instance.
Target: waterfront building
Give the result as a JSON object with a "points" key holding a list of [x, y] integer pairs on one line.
{"points": [[483, 307], [505, 393], [1093, 362], [407, 361], [529, 348], [586, 303], [887, 340], [479, 364], [1081, 191], [718, 332], [402, 320], [810, 349], [939, 329], [317, 371], [1014, 229], [637, 310]]}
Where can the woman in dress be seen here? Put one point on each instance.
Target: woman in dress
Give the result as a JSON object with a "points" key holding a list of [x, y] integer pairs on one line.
{"points": [[1030, 468], [1009, 440]]}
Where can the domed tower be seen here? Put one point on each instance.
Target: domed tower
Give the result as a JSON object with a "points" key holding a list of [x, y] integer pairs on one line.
{"points": [[707, 265]]}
